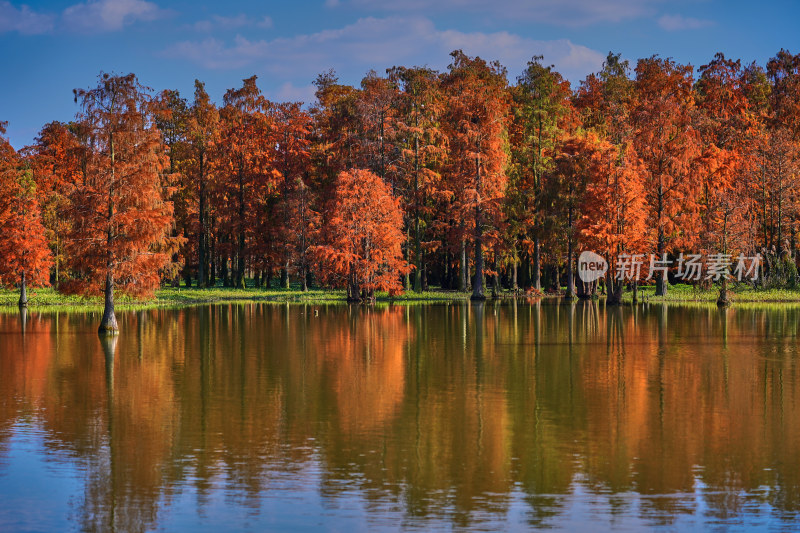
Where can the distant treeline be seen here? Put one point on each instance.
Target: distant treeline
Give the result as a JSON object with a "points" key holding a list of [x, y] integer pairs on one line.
{"points": [[416, 177]]}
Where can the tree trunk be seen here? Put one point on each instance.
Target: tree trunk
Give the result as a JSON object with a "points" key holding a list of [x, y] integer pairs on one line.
{"points": [[23, 291], [477, 289], [723, 300], [202, 273], [537, 266], [615, 287], [108, 325], [239, 281], [570, 279], [462, 281]]}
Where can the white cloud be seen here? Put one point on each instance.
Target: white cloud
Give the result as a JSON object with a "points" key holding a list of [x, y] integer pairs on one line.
{"points": [[678, 22], [559, 12], [109, 15], [218, 22], [380, 43], [24, 20], [289, 92]]}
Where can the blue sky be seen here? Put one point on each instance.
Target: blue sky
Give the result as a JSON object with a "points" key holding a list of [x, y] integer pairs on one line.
{"points": [[51, 47]]}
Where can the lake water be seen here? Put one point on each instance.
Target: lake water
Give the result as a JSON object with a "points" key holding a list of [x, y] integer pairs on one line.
{"points": [[505, 416]]}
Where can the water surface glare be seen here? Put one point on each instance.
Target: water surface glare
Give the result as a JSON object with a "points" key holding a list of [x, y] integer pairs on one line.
{"points": [[495, 416]]}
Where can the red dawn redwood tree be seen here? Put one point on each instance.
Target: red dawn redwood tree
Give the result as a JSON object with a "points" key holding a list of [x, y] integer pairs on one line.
{"points": [[119, 219], [668, 146], [202, 131], [477, 113], [26, 258], [365, 233]]}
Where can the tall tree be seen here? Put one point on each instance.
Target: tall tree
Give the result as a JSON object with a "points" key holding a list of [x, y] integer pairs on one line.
{"points": [[422, 146], [244, 164], [23, 245], [292, 128], [476, 125], [119, 218], [202, 131], [541, 114], [668, 146], [58, 159]]}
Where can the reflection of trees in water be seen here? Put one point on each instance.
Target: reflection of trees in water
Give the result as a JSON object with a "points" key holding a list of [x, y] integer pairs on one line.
{"points": [[443, 411]]}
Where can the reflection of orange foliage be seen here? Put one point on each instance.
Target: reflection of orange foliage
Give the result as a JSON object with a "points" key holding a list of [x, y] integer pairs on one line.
{"points": [[448, 408], [367, 368], [24, 364]]}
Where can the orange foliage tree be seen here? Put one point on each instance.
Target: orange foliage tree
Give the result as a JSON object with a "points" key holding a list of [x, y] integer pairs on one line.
{"points": [[366, 237], [421, 144], [292, 126], [58, 161], [476, 123], [668, 147], [119, 218], [613, 215], [26, 258], [243, 165]]}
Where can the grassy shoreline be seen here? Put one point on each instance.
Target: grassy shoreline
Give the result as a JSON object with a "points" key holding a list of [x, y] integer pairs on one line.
{"points": [[177, 297]]}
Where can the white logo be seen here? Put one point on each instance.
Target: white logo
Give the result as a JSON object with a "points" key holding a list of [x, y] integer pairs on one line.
{"points": [[591, 267]]}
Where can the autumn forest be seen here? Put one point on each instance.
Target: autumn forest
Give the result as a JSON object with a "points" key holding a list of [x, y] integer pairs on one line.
{"points": [[461, 179]]}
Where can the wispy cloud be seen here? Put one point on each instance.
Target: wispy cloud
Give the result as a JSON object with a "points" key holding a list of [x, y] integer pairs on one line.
{"points": [[218, 22], [288, 92], [379, 43], [24, 20], [571, 13], [109, 15], [678, 22]]}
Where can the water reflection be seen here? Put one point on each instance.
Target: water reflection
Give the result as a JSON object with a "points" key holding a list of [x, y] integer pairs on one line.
{"points": [[440, 415]]}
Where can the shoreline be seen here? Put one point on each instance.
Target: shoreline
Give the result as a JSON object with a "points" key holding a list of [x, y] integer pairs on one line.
{"points": [[42, 298]]}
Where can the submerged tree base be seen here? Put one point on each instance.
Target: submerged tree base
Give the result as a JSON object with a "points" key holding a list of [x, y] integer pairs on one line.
{"points": [[723, 300]]}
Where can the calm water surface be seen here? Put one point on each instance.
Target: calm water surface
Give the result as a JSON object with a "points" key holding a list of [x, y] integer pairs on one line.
{"points": [[491, 417]]}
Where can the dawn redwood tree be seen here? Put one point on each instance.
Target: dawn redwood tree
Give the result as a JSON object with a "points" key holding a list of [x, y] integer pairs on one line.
{"points": [[476, 121], [573, 166], [245, 175], [364, 251], [26, 257], [58, 161], [292, 127], [119, 218], [541, 114], [668, 146], [613, 216], [202, 131], [421, 144]]}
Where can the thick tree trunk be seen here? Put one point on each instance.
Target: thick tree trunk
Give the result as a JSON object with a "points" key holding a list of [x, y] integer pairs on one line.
{"points": [[285, 282], [614, 290], [108, 325], [537, 266], [723, 300], [23, 291]]}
